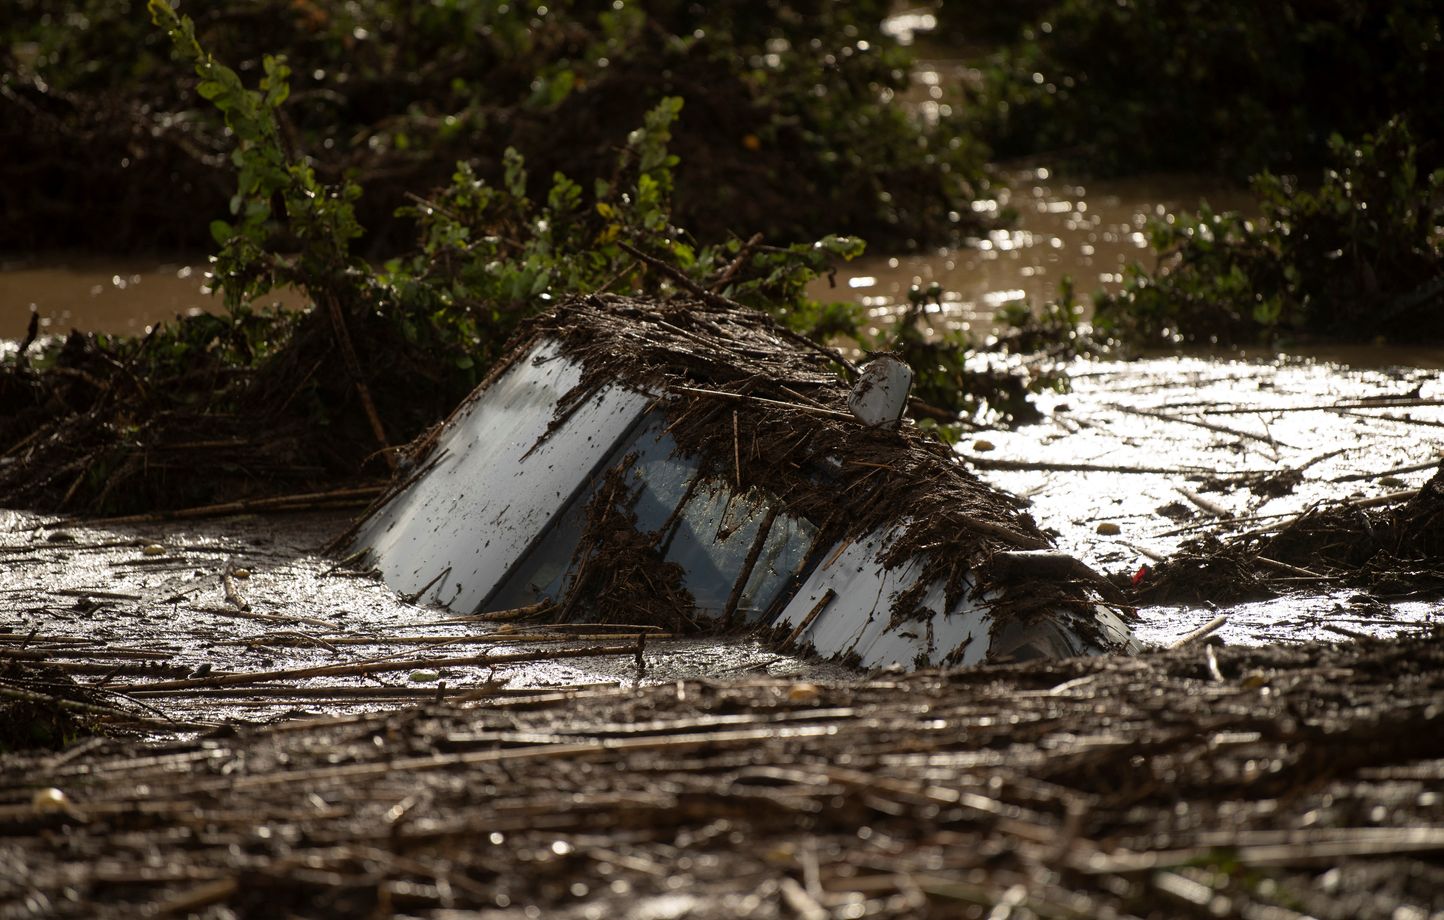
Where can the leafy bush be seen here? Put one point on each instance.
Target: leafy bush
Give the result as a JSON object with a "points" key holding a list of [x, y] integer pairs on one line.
{"points": [[1231, 88], [785, 129], [1362, 257], [293, 399]]}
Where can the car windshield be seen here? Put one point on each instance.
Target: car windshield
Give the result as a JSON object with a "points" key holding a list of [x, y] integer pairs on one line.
{"points": [[718, 537]]}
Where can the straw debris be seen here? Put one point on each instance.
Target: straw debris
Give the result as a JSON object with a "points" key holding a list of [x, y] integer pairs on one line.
{"points": [[762, 408], [1302, 783], [1389, 548]]}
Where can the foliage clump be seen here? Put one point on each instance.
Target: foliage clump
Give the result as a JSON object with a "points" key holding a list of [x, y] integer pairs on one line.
{"points": [[1229, 88], [1360, 257], [958, 381], [786, 128], [219, 407]]}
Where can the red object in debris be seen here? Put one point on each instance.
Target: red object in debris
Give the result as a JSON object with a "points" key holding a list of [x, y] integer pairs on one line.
{"points": [[1139, 575]]}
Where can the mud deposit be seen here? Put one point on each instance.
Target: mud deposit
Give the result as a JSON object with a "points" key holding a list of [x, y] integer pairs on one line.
{"points": [[1143, 456]]}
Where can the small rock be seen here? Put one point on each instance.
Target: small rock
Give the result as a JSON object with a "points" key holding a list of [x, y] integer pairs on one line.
{"points": [[804, 693], [242, 574], [152, 549], [1109, 529], [982, 446], [50, 801], [61, 536]]}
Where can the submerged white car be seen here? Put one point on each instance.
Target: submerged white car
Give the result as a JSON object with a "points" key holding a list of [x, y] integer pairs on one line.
{"points": [[697, 466]]}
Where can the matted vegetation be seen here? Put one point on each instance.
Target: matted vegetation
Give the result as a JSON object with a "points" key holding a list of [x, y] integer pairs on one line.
{"points": [[1283, 782]]}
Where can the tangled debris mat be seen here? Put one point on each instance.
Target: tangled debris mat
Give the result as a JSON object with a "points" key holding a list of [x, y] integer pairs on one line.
{"points": [[1393, 547], [1242, 782], [760, 407]]}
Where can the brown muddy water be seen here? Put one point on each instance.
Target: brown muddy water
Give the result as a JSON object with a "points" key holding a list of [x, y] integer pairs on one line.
{"points": [[1136, 457], [121, 297], [1086, 232]]}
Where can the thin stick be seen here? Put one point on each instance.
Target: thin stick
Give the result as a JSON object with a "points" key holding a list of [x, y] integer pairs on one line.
{"points": [[1345, 631], [299, 502], [743, 397], [202, 895], [736, 264], [748, 564], [1211, 660], [744, 738], [1211, 507], [736, 449], [1202, 632], [812, 614], [1286, 567], [358, 379], [1199, 423], [263, 617], [995, 463], [801, 903], [380, 667], [1330, 407], [1355, 477], [1151, 554], [497, 616]]}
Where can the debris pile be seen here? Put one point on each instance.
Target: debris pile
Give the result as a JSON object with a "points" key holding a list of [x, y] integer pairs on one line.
{"points": [[620, 573], [1392, 548], [737, 436], [1298, 781]]}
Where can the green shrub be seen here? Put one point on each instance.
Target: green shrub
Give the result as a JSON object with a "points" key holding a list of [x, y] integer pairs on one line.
{"points": [[1233, 87], [299, 399], [785, 129], [1361, 257]]}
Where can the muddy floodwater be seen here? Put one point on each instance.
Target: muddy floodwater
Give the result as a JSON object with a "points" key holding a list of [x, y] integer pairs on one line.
{"points": [[1137, 457], [1150, 452], [245, 617], [121, 297]]}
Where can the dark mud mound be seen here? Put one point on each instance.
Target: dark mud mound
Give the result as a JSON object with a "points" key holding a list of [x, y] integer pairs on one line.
{"points": [[1302, 781], [1395, 550]]}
